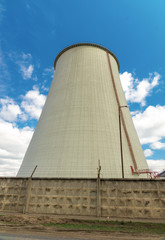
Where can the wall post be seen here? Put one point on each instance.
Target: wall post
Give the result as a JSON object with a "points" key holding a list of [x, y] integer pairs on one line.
{"points": [[98, 201], [28, 192]]}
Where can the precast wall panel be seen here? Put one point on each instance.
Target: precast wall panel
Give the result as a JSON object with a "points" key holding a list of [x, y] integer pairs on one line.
{"points": [[79, 124]]}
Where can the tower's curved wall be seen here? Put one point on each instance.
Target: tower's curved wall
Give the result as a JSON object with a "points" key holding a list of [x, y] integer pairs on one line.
{"points": [[79, 124]]}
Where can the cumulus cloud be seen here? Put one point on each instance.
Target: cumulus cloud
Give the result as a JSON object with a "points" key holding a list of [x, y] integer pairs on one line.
{"points": [[156, 165], [150, 125], [9, 110], [14, 140], [157, 145], [33, 102], [148, 152], [13, 143], [136, 91], [30, 107], [9, 167]]}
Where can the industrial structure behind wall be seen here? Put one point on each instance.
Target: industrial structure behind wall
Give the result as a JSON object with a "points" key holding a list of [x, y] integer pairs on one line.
{"points": [[85, 120]]}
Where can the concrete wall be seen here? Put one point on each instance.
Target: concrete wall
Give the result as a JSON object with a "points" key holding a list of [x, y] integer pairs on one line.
{"points": [[115, 198], [12, 194]]}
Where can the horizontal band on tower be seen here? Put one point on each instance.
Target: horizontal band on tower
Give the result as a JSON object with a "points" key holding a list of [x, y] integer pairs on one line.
{"points": [[85, 44]]}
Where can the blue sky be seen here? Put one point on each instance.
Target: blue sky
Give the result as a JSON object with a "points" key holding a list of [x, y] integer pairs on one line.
{"points": [[33, 32]]}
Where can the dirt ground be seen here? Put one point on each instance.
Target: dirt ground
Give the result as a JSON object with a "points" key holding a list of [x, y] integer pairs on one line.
{"points": [[57, 226]]}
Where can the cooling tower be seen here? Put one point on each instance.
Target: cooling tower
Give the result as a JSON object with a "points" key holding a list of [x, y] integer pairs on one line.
{"points": [[85, 120]]}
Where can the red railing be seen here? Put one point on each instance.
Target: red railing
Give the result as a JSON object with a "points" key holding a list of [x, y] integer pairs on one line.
{"points": [[152, 174]]}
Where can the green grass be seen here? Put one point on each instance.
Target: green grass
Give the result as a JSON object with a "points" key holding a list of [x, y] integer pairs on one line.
{"points": [[96, 225], [82, 227], [112, 226]]}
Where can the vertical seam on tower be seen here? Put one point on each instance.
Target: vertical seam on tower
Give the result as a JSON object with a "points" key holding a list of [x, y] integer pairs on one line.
{"points": [[122, 117]]}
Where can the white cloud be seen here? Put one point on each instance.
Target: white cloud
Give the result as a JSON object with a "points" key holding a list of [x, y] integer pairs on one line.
{"points": [[148, 152], [137, 91], [8, 167], [13, 143], [157, 145], [156, 165], [26, 71], [9, 110], [14, 140], [30, 107], [48, 71], [26, 56], [24, 61], [150, 124], [133, 113], [33, 102]]}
